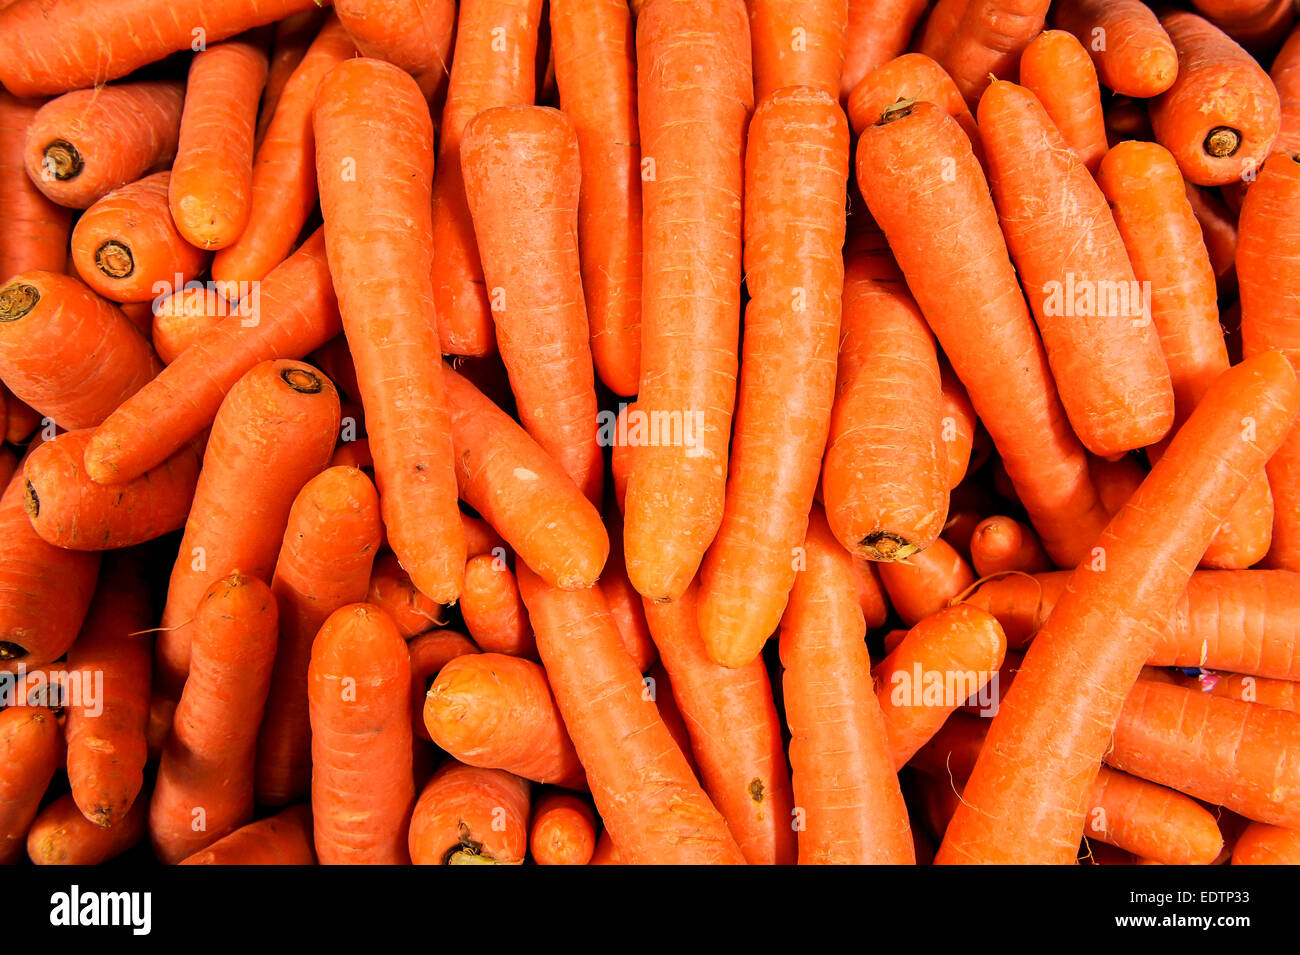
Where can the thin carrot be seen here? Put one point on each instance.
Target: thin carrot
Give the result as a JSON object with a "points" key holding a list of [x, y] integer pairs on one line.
{"points": [[563, 830], [392, 591], [413, 34], [1055, 68], [798, 43], [205, 781], [494, 615], [918, 176], [470, 816], [925, 582], [292, 38], [1131, 50], [61, 835], [35, 236], [1262, 844], [1025, 799], [430, 652], [875, 32], [362, 788], [625, 604], [282, 839], [988, 41], [660, 689], [30, 745], [911, 76]]}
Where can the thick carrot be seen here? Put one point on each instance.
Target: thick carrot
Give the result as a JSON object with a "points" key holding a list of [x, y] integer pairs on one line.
{"points": [[470, 816], [797, 43], [283, 839], [82, 146], [522, 492], [61, 835], [563, 830], [595, 70], [292, 38], [695, 92], [875, 33], [492, 65], [182, 318], [245, 491], [68, 353], [362, 788], [1243, 756], [1104, 353], [294, 312], [643, 788], [1025, 799], [205, 781], [521, 170], [1262, 844], [391, 590], [378, 235], [911, 76], [430, 652], [885, 506], [284, 169], [30, 748], [35, 236], [625, 604], [1130, 49], [848, 806], [494, 615], [988, 41], [1055, 68], [210, 191], [126, 246], [999, 544], [413, 34], [925, 582], [1222, 113], [940, 26], [325, 560], [496, 711], [918, 176]]}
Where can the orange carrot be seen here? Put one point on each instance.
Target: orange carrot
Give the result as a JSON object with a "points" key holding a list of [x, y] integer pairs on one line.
{"points": [[470, 816], [911, 76], [1257, 25], [292, 38], [1056, 69], [605, 853], [392, 591], [871, 593], [8, 465], [624, 602], [925, 582], [1284, 694], [1262, 844], [988, 40], [413, 34], [283, 839], [29, 745], [563, 831], [61, 835], [875, 33], [660, 689], [1000, 544], [941, 23], [1285, 74], [430, 652], [1130, 49], [185, 316], [36, 230], [494, 615], [797, 43]]}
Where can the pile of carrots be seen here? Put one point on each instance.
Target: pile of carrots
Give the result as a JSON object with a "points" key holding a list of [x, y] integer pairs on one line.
{"points": [[677, 431]]}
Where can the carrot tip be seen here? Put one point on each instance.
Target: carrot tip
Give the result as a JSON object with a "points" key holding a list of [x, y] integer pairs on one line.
{"points": [[17, 300], [114, 259], [1222, 141], [62, 160]]}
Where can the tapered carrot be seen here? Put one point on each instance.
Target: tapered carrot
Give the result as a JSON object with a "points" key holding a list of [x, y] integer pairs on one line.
{"points": [[1104, 353], [643, 788], [496, 711], [70, 354], [1066, 698], [735, 733], [205, 780], [1262, 844], [595, 71], [522, 492], [430, 652], [391, 590], [1222, 113], [885, 506], [901, 167], [988, 40], [30, 747], [521, 171], [625, 604], [212, 178], [83, 145], [329, 546], [492, 65], [848, 805], [283, 839], [245, 491], [911, 76], [925, 582], [293, 36], [1056, 69], [36, 230], [562, 831], [470, 816], [1130, 49], [797, 44], [494, 615], [695, 93], [182, 318], [362, 787], [1000, 544], [413, 34], [284, 169], [61, 835], [126, 246], [295, 312], [378, 237], [874, 34]]}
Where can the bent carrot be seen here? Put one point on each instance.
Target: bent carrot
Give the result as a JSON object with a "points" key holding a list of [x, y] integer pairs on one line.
{"points": [[61, 835], [282, 839], [470, 816], [36, 230], [562, 831], [430, 652], [1131, 50], [494, 615], [392, 591], [797, 44], [30, 747], [1056, 69]]}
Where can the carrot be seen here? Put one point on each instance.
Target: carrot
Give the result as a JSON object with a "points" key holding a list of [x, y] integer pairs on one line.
{"points": [[293, 36], [1283, 694], [911, 76], [1086, 301], [1056, 69], [625, 604], [205, 780], [126, 246], [470, 816], [430, 652], [295, 312], [496, 711], [492, 65], [36, 230], [282, 839], [521, 171], [392, 591], [660, 689], [185, 316], [83, 145], [1219, 230], [8, 465], [212, 178], [362, 788], [1222, 113], [936, 33], [412, 34], [162, 709], [643, 788], [1262, 844], [1267, 256], [925, 582], [29, 745], [20, 418], [620, 456], [1000, 544], [988, 40], [595, 70], [522, 492], [871, 593], [563, 831], [1025, 798], [1285, 74], [61, 835], [606, 853], [888, 395], [995, 350], [1255, 24], [245, 491], [1116, 481], [378, 237], [848, 806], [692, 131], [874, 34], [67, 352], [329, 545], [1130, 49], [1243, 756], [734, 730], [284, 169], [797, 44], [494, 614]]}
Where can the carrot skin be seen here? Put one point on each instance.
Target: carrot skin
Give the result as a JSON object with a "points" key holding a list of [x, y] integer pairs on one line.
{"points": [[282, 839], [30, 744], [562, 831], [467, 815], [61, 835], [36, 229], [1130, 49]]}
